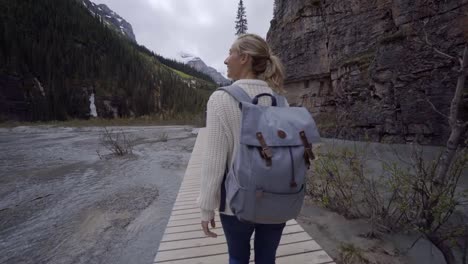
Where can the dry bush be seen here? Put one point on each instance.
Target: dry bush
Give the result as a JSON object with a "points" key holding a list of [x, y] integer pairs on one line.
{"points": [[422, 203], [350, 254], [404, 198], [336, 182], [163, 137], [117, 142], [340, 182]]}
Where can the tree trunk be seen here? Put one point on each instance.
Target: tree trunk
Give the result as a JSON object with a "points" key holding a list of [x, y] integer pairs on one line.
{"points": [[458, 128], [443, 247]]}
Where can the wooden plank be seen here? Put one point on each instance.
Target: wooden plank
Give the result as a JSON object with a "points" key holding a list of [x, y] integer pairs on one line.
{"points": [[214, 259], [186, 211], [193, 180], [185, 207], [199, 233], [189, 193], [196, 226], [295, 250], [185, 216], [192, 252], [192, 243], [190, 189], [194, 184], [205, 241], [193, 200], [185, 203], [316, 257], [294, 237], [193, 190], [187, 222], [186, 196], [187, 228], [188, 235], [285, 239]]}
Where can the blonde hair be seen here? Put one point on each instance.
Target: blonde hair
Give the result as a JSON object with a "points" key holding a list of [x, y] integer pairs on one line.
{"points": [[265, 65]]}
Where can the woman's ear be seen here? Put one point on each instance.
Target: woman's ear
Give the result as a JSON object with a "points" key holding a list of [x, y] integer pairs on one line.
{"points": [[245, 58]]}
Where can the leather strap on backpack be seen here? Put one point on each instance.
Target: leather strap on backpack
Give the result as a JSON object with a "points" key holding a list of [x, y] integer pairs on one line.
{"points": [[265, 151], [308, 153]]}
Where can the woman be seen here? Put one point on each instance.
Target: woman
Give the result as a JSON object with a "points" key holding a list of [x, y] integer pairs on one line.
{"points": [[256, 70]]}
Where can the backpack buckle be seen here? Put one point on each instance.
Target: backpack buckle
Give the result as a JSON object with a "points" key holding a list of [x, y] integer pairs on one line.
{"points": [[265, 151]]}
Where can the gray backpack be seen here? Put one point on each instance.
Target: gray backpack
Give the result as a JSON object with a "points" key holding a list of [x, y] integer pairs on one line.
{"points": [[266, 183]]}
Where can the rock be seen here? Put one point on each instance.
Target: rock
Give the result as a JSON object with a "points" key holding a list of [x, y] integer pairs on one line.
{"points": [[195, 131], [369, 58], [112, 107], [22, 98]]}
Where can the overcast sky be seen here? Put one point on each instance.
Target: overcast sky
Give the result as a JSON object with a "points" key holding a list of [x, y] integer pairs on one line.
{"points": [[204, 28]]}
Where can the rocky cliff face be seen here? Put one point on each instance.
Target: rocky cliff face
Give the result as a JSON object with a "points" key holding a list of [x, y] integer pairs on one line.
{"points": [[112, 19], [19, 98], [364, 68]]}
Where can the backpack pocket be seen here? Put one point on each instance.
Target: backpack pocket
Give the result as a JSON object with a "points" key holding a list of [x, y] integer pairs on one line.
{"points": [[239, 198], [267, 204]]}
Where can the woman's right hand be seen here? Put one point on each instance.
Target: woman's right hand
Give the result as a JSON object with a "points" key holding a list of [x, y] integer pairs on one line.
{"points": [[206, 228]]}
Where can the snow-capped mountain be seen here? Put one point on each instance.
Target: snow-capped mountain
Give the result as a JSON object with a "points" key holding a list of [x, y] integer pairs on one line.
{"points": [[200, 65], [111, 18]]}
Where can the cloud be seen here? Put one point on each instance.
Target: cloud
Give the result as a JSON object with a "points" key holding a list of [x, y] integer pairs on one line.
{"points": [[204, 28], [162, 6]]}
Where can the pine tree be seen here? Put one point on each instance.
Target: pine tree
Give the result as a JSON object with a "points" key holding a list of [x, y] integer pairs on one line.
{"points": [[241, 20]]}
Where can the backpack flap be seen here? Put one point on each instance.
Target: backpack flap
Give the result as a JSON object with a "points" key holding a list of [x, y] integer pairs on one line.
{"points": [[280, 126]]}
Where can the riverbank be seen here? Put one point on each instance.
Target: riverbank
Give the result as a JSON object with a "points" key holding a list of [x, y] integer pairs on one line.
{"points": [[183, 120]]}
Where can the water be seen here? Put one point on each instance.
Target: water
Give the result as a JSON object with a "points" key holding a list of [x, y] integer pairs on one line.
{"points": [[62, 202], [92, 106]]}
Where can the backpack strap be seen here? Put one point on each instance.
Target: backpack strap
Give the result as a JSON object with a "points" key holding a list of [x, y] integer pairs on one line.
{"points": [[238, 93], [241, 96], [222, 202], [281, 100]]}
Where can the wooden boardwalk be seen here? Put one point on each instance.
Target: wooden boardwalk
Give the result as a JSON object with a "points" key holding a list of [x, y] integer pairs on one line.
{"points": [[185, 242]]}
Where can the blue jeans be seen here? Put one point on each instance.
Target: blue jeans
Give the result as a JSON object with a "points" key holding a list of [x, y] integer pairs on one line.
{"points": [[267, 238]]}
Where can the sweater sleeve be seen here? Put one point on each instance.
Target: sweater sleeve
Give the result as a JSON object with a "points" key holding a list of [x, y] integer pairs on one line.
{"points": [[214, 161]]}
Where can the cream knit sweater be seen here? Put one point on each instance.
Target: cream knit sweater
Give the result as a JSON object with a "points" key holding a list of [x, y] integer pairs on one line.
{"points": [[223, 132]]}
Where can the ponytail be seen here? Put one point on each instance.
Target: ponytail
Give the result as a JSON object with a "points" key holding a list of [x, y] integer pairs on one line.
{"points": [[274, 74]]}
